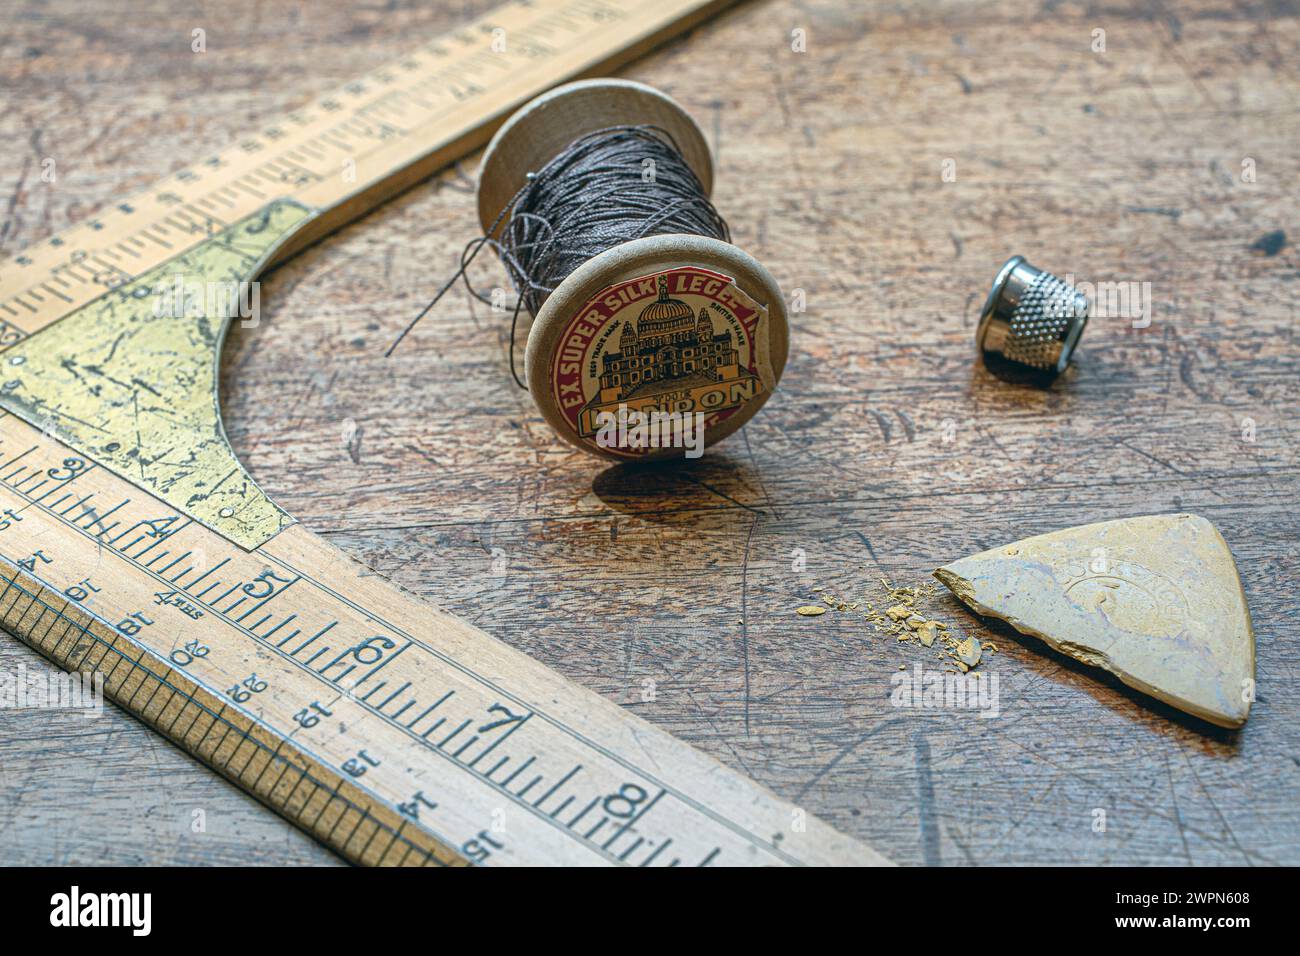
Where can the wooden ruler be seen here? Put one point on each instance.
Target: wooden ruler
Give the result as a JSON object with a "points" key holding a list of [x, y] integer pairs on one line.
{"points": [[133, 544]]}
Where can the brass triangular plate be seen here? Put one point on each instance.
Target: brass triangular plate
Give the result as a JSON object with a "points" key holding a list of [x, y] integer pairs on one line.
{"points": [[1154, 600], [129, 380]]}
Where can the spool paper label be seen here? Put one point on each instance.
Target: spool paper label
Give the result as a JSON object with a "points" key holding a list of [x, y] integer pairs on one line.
{"points": [[645, 361]]}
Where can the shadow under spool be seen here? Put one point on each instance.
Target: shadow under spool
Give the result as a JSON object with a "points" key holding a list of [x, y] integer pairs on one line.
{"points": [[575, 336]]}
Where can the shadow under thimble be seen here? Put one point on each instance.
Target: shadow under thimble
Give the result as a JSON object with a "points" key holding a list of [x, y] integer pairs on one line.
{"points": [[1030, 325]]}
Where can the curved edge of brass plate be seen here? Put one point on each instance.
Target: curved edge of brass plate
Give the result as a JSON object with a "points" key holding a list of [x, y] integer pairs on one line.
{"points": [[130, 380]]}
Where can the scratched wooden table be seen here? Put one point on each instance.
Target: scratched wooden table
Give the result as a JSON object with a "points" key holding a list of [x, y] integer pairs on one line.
{"points": [[1170, 158]]}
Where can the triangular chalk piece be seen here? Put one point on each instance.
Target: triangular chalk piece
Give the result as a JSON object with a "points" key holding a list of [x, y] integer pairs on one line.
{"points": [[1154, 600]]}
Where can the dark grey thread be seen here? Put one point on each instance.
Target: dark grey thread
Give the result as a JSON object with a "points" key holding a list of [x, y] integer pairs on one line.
{"points": [[604, 189]]}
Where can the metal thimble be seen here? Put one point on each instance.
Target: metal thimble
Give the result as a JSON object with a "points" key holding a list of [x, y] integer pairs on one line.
{"points": [[1030, 324]]}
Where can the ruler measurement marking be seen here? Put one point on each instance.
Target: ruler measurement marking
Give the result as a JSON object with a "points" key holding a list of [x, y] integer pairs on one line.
{"points": [[662, 846], [164, 536], [66, 481], [501, 739], [214, 719], [431, 708], [103, 647], [632, 820], [121, 658], [186, 736], [227, 593], [13, 582], [27, 610], [138, 665], [323, 631], [379, 859], [19, 457], [377, 667], [99, 519], [520, 769], [56, 293], [574, 822], [158, 686], [448, 739], [82, 632], [70, 625], [67, 631], [224, 562], [563, 780], [216, 613], [274, 757], [266, 600], [239, 777], [75, 504], [564, 728], [280, 625], [217, 717], [373, 833], [389, 698], [353, 832], [333, 795]]}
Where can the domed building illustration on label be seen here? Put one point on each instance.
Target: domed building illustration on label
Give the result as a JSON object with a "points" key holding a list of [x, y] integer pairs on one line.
{"points": [[670, 360]]}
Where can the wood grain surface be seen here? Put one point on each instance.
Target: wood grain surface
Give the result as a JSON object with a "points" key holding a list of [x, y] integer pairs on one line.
{"points": [[886, 452]]}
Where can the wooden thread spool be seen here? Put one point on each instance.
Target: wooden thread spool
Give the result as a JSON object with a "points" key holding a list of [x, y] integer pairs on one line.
{"points": [[724, 362]]}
